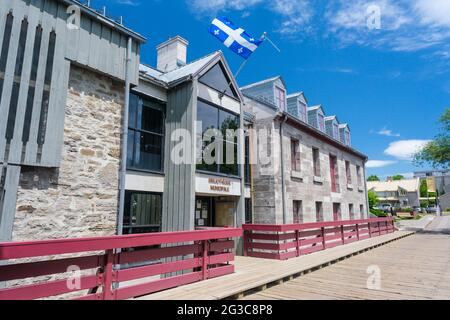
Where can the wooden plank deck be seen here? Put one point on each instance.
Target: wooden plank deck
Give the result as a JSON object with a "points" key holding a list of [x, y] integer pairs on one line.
{"points": [[416, 268], [253, 273]]}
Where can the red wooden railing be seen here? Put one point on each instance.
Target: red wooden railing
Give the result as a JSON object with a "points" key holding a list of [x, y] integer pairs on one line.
{"points": [[154, 262], [282, 242]]}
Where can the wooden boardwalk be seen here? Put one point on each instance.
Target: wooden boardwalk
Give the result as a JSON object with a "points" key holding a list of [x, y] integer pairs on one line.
{"points": [[254, 273], [417, 267]]}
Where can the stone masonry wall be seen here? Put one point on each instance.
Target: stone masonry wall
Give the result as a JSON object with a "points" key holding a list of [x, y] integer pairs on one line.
{"points": [[80, 199]]}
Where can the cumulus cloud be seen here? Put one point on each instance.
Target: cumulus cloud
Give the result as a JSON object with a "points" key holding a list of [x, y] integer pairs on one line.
{"points": [[405, 149], [379, 163]]}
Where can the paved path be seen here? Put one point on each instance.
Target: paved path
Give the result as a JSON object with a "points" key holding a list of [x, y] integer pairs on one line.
{"points": [[417, 267], [439, 225], [415, 225]]}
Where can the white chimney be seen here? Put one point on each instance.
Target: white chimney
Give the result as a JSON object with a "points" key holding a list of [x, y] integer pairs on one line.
{"points": [[172, 54]]}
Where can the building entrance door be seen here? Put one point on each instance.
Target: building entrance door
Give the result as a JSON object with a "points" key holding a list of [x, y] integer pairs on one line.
{"points": [[225, 214]]}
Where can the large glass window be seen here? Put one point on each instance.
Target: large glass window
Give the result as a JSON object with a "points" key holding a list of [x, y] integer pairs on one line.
{"points": [[295, 155], [143, 212], [216, 78], [316, 162], [145, 135], [222, 144]]}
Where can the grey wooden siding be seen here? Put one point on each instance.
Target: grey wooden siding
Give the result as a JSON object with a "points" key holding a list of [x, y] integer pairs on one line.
{"points": [[179, 186], [264, 92], [313, 118], [10, 176]]}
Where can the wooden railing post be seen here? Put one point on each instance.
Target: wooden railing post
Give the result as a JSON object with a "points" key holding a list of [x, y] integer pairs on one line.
{"points": [[379, 228], [205, 259], [324, 240], [107, 292], [297, 239], [343, 234], [246, 240], [370, 229], [357, 232]]}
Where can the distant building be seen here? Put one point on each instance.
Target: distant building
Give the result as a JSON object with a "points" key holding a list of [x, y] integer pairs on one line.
{"points": [[403, 193]]}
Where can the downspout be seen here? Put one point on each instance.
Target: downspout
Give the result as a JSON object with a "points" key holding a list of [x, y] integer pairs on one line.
{"points": [[123, 168], [283, 182]]}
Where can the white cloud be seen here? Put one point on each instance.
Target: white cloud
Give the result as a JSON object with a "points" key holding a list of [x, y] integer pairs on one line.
{"points": [[379, 163], [388, 133], [213, 6], [435, 12], [295, 15], [405, 149]]}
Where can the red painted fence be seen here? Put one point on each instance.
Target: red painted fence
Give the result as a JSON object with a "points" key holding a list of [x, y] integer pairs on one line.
{"points": [[282, 242], [154, 262]]}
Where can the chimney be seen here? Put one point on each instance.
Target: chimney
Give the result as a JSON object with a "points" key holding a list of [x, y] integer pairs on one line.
{"points": [[172, 54]]}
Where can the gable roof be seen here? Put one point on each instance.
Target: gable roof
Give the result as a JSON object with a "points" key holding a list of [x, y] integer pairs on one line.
{"points": [[411, 185], [191, 70], [260, 83], [297, 95], [315, 108], [331, 118], [344, 126]]}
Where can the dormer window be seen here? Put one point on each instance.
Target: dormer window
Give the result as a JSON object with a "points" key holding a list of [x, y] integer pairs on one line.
{"points": [[280, 98], [321, 120], [303, 112], [336, 131], [347, 137]]}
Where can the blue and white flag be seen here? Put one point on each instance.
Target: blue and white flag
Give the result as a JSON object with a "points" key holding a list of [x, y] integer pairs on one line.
{"points": [[234, 38]]}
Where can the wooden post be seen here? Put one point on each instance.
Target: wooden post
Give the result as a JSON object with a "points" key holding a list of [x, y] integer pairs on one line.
{"points": [[379, 228], [246, 240], [297, 239], [370, 229], [324, 241], [342, 234], [205, 260], [357, 232], [107, 292]]}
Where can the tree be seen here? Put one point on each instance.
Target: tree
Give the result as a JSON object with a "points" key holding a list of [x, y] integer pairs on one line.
{"points": [[423, 189], [437, 152], [398, 177], [373, 199], [373, 178]]}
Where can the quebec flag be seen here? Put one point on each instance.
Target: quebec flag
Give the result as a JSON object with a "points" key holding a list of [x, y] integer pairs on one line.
{"points": [[234, 38]]}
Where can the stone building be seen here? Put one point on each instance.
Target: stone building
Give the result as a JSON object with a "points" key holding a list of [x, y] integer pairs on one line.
{"points": [[312, 175], [63, 76]]}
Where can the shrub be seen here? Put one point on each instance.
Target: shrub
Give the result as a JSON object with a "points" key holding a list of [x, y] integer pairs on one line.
{"points": [[378, 213]]}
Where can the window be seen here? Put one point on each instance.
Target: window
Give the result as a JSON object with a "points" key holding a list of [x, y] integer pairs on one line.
{"points": [[248, 211], [358, 173], [334, 172], [216, 78], [347, 137], [280, 98], [225, 150], [336, 131], [319, 211], [316, 162], [145, 135], [248, 169], [143, 212], [297, 212], [348, 172], [351, 211], [303, 113], [337, 215], [295, 155], [321, 120]]}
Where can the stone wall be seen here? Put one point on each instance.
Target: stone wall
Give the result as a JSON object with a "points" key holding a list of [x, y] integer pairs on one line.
{"points": [[80, 199], [300, 186]]}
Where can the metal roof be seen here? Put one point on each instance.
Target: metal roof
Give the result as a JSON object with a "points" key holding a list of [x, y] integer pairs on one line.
{"points": [[105, 20]]}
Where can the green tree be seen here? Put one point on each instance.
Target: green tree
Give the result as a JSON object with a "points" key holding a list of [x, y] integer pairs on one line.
{"points": [[398, 177], [437, 152], [373, 199], [423, 189], [373, 178]]}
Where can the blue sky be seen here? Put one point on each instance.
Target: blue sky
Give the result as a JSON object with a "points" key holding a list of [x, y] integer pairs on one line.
{"points": [[390, 84]]}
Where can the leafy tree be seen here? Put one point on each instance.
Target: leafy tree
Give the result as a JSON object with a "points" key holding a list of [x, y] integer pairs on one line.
{"points": [[373, 178], [423, 189], [398, 177], [373, 199], [437, 152]]}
